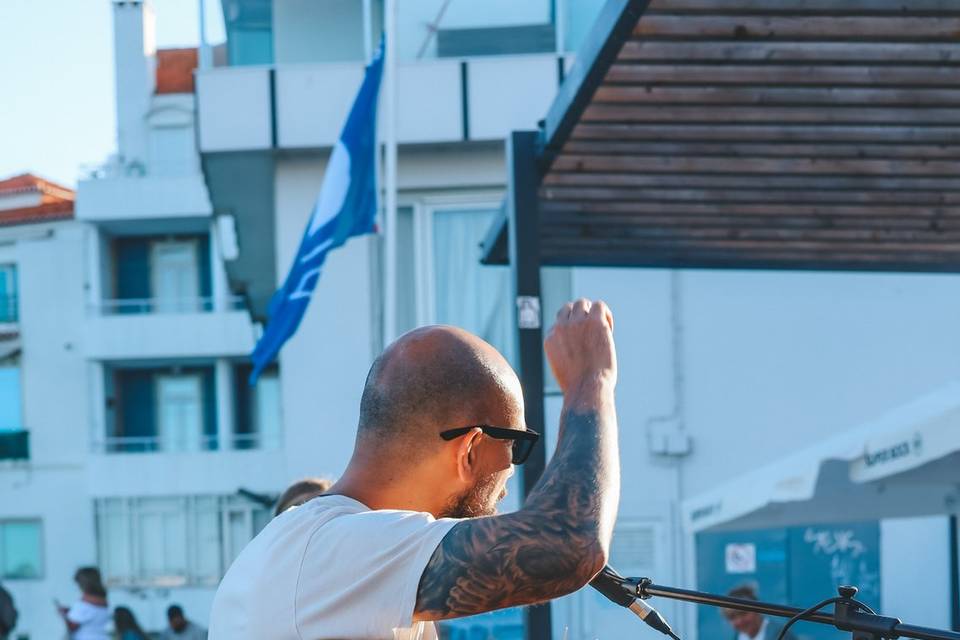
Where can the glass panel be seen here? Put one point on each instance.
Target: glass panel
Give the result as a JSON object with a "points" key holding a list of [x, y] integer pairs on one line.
{"points": [[443, 28], [10, 409], [579, 18], [249, 28], [466, 293], [8, 293], [267, 410], [175, 276], [555, 290], [179, 412], [21, 550]]}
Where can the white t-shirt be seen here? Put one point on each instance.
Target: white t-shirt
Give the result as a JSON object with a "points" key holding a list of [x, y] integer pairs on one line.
{"points": [[331, 568], [93, 621]]}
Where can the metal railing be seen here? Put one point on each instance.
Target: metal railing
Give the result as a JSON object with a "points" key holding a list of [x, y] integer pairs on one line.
{"points": [[9, 309], [135, 306], [203, 443]]}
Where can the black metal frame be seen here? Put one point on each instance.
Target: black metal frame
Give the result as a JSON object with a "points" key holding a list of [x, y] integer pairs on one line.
{"points": [[523, 218]]}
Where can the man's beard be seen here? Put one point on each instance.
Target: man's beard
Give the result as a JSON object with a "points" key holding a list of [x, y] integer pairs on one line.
{"points": [[474, 502]]}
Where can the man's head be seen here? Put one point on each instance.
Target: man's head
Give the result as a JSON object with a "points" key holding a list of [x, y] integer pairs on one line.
{"points": [[300, 492], [176, 618], [744, 621], [432, 380]]}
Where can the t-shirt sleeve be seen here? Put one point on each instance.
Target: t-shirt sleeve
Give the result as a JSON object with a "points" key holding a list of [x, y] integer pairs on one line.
{"points": [[79, 613], [367, 567]]}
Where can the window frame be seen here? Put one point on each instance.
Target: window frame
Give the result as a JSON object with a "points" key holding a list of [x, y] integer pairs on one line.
{"points": [[42, 565]]}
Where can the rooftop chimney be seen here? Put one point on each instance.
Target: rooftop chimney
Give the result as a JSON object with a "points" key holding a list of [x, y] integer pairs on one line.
{"points": [[134, 46]]}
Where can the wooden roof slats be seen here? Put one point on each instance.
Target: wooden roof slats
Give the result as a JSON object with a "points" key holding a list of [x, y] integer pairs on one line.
{"points": [[788, 134]]}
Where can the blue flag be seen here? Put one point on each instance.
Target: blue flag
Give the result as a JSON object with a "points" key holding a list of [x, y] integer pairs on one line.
{"points": [[346, 206]]}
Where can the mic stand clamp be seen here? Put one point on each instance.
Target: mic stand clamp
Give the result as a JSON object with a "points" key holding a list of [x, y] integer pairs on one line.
{"points": [[848, 616]]}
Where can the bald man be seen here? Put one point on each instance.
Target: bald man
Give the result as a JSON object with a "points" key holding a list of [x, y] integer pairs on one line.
{"points": [[409, 534]]}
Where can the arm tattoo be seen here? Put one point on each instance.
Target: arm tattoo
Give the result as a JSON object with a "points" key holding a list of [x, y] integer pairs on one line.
{"points": [[547, 549]]}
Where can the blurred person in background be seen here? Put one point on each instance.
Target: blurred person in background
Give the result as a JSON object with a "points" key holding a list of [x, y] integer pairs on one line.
{"points": [[180, 627], [126, 626], [301, 491], [89, 617], [748, 625], [8, 614]]}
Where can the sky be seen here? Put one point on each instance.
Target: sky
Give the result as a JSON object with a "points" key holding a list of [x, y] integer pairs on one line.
{"points": [[56, 69]]}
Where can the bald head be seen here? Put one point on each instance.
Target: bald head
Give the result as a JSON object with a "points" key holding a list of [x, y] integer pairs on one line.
{"points": [[435, 378]]}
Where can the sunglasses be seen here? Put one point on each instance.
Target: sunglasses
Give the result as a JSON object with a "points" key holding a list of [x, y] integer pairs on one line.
{"points": [[523, 441]]}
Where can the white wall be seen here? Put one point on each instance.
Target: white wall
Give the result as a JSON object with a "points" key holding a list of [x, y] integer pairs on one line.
{"points": [[915, 569], [325, 363], [772, 361]]}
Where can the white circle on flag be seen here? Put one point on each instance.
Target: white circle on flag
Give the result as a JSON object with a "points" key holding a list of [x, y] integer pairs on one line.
{"points": [[333, 191]]}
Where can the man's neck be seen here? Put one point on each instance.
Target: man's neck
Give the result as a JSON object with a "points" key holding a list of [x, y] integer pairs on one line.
{"points": [[377, 488]]}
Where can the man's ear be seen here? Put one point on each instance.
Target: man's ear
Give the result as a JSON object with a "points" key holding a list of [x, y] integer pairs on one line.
{"points": [[467, 456]]}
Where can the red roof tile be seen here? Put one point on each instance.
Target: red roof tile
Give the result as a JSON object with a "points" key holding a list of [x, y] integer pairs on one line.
{"points": [[56, 201], [175, 70]]}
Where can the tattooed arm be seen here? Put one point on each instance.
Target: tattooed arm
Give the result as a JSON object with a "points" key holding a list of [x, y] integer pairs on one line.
{"points": [[560, 538]]}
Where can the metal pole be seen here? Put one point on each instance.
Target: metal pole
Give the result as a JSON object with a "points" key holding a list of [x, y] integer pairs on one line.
{"points": [[524, 240], [390, 170], [864, 621]]}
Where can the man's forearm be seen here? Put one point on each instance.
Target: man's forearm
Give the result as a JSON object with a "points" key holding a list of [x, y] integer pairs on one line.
{"points": [[580, 488]]}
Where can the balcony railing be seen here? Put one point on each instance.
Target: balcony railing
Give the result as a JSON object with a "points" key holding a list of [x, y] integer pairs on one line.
{"points": [[9, 309], [133, 306], [159, 444], [15, 445], [148, 444]]}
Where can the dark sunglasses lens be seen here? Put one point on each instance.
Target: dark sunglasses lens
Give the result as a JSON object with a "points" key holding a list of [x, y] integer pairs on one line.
{"points": [[521, 450]]}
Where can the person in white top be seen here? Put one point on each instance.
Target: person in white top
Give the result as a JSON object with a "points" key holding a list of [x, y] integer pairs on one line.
{"points": [[90, 617], [409, 535]]}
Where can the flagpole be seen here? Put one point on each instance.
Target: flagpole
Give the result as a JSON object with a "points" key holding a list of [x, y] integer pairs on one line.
{"points": [[390, 177]]}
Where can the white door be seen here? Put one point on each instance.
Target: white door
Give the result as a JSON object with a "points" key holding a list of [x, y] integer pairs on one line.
{"points": [[180, 412], [176, 277]]}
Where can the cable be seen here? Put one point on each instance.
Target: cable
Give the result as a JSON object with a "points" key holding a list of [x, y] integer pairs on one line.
{"points": [[819, 606], [805, 612]]}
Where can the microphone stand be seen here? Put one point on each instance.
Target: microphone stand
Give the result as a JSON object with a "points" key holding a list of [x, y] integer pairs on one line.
{"points": [[848, 614]]}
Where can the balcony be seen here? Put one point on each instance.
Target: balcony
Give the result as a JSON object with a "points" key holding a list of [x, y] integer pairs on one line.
{"points": [[15, 445], [439, 100], [122, 198], [163, 328]]}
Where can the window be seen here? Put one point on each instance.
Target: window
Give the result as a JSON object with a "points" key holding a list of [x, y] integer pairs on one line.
{"points": [[174, 273], [8, 293], [180, 412], [173, 541], [161, 275], [461, 291], [249, 31], [171, 409], [20, 549]]}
